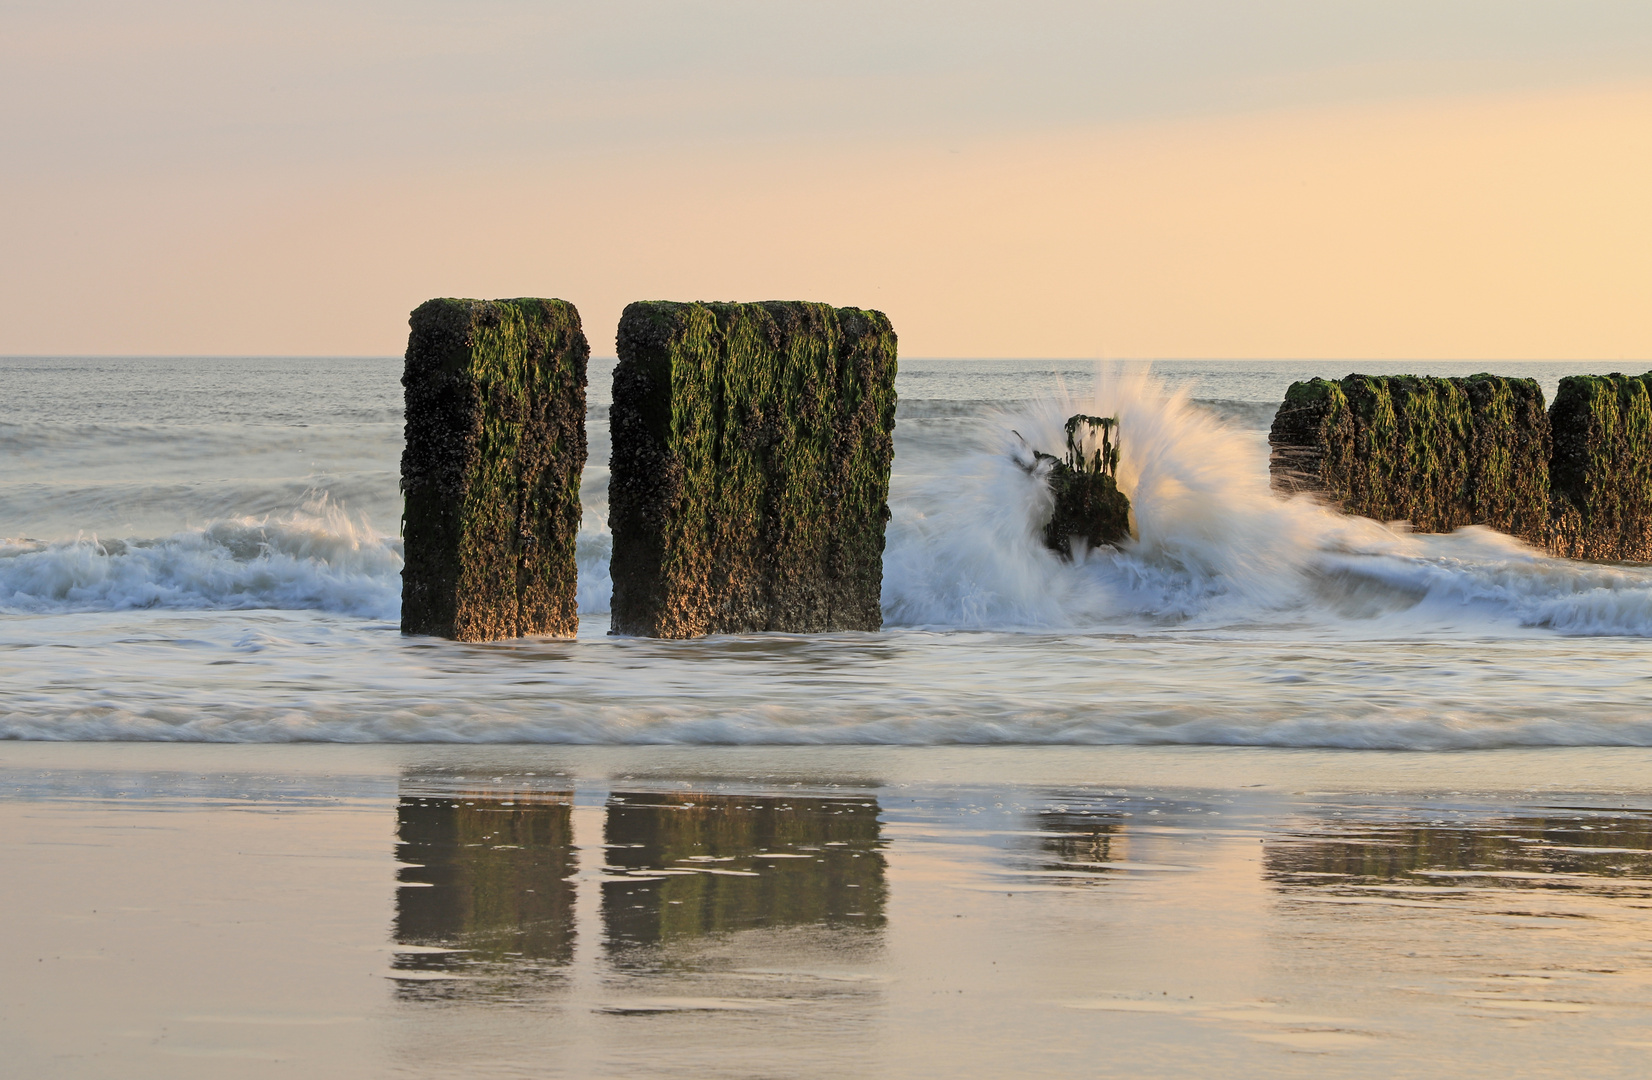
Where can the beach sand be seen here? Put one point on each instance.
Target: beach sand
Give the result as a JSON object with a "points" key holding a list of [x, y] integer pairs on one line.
{"points": [[344, 911]]}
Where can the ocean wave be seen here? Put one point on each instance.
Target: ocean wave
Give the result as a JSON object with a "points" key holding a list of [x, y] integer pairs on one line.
{"points": [[1338, 724], [317, 558], [1246, 415], [945, 408], [1212, 545]]}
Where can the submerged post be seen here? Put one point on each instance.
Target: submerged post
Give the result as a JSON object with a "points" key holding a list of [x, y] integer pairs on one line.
{"points": [[495, 393], [750, 480], [1602, 467], [1088, 503]]}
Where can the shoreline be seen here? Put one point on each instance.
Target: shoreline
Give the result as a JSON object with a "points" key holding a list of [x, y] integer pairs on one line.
{"points": [[176, 910], [374, 768]]}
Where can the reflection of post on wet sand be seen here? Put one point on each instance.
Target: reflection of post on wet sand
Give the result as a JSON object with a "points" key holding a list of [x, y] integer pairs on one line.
{"points": [[1578, 850], [1079, 846], [688, 865], [487, 875], [487, 893]]}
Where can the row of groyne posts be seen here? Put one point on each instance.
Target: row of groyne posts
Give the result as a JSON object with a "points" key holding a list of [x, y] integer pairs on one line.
{"points": [[752, 446], [1574, 479]]}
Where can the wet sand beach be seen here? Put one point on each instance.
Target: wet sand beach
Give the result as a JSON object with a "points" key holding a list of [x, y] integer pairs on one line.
{"points": [[209, 910]]}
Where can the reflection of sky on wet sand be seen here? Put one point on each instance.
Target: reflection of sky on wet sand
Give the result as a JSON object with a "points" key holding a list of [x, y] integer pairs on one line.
{"points": [[683, 920], [815, 916], [1524, 922]]}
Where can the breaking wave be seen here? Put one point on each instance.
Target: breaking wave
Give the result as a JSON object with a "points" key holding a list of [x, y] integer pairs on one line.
{"points": [[317, 557], [1213, 548]]}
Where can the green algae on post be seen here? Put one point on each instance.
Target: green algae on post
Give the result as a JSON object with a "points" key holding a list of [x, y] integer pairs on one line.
{"points": [[495, 393], [1088, 503], [750, 476], [1439, 453], [1602, 467]]}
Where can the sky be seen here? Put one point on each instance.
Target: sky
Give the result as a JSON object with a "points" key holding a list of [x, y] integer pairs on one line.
{"points": [[1175, 178]]}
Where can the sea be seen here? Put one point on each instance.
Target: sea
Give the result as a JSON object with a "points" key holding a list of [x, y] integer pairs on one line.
{"points": [[206, 549], [1267, 791]]}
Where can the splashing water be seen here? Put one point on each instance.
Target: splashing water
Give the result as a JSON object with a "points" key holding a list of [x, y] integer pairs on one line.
{"points": [[1213, 547]]}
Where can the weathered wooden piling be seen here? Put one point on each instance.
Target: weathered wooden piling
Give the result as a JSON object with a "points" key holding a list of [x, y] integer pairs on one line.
{"points": [[1602, 467], [1439, 453], [1089, 506], [495, 393], [750, 473]]}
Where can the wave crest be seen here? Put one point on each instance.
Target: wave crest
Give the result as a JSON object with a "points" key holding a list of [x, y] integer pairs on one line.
{"points": [[1214, 547], [317, 557]]}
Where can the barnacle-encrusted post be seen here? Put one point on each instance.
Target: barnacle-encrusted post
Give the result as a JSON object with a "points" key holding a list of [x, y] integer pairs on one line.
{"points": [[495, 393], [1602, 467], [1440, 453], [1088, 503], [749, 487]]}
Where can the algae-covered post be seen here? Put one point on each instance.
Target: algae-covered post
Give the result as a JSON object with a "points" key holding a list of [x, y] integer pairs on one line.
{"points": [[495, 393], [1439, 453], [1088, 505], [1602, 467], [750, 480]]}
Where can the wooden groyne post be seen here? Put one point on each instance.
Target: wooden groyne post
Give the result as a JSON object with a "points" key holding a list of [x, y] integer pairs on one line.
{"points": [[749, 488], [1088, 505], [495, 394], [1602, 467], [1440, 453]]}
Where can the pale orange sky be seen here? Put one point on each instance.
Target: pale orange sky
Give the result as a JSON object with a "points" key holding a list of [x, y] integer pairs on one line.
{"points": [[1125, 180]]}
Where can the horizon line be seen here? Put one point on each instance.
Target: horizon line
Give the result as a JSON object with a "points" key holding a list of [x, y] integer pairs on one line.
{"points": [[1041, 359]]}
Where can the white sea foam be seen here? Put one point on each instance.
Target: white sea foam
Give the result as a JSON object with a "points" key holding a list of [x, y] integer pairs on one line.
{"points": [[1180, 714], [594, 547], [1212, 545], [317, 557]]}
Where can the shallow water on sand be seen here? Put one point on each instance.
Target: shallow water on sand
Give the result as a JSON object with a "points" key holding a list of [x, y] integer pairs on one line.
{"points": [[181, 911]]}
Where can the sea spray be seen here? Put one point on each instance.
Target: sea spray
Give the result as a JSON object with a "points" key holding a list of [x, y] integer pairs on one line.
{"points": [[965, 549], [1213, 546]]}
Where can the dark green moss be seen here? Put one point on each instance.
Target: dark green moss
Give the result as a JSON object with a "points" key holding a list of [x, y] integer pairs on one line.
{"points": [[1508, 485], [495, 393], [1088, 505], [1439, 453], [750, 472], [1602, 467]]}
